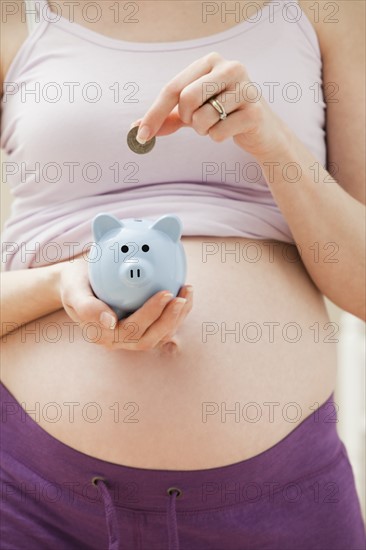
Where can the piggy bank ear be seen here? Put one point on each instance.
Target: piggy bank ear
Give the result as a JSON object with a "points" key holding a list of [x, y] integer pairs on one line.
{"points": [[170, 225], [103, 223]]}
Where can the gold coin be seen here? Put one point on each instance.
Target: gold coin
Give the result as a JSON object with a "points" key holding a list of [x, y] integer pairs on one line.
{"points": [[135, 146]]}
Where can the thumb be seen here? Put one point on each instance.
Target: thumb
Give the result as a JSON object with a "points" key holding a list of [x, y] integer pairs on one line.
{"points": [[92, 310], [171, 124]]}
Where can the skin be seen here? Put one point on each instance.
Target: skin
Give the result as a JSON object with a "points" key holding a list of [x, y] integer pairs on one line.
{"points": [[254, 128]]}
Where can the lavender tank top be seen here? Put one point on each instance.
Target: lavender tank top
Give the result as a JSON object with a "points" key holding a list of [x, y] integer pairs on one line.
{"points": [[70, 96]]}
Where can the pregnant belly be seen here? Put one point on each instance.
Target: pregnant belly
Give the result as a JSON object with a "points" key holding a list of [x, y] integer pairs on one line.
{"points": [[254, 358]]}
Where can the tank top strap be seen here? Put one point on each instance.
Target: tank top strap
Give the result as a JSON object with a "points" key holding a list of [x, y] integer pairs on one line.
{"points": [[33, 13]]}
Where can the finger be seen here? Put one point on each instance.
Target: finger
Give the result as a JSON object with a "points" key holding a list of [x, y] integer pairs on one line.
{"points": [[158, 330], [171, 124], [193, 109], [146, 315], [135, 123], [92, 310], [239, 122], [239, 94], [205, 118], [169, 96], [225, 80], [236, 96], [133, 335], [81, 303], [187, 293]]}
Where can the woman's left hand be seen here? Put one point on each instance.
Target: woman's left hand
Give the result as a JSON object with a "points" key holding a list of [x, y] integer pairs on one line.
{"points": [[183, 102]]}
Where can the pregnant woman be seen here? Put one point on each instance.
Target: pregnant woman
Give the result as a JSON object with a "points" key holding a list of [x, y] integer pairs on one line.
{"points": [[203, 423]]}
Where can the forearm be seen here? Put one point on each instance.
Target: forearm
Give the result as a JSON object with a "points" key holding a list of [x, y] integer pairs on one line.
{"points": [[28, 294], [320, 212]]}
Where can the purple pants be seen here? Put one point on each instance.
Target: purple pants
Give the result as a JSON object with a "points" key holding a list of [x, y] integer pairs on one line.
{"points": [[297, 495]]}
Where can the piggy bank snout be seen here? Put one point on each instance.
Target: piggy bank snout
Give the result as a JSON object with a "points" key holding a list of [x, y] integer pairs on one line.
{"points": [[136, 273]]}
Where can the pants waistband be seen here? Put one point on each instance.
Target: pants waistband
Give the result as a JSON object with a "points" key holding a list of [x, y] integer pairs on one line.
{"points": [[310, 447]]}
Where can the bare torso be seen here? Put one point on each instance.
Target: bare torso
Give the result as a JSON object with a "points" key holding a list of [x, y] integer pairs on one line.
{"points": [[256, 342]]}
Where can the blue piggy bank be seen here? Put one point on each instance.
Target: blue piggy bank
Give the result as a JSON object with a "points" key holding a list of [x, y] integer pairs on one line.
{"points": [[132, 259]]}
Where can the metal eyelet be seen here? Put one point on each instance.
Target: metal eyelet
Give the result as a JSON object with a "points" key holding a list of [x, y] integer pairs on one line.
{"points": [[171, 490], [95, 479]]}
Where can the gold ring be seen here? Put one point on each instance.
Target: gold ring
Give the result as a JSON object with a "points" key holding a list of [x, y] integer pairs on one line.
{"points": [[218, 106]]}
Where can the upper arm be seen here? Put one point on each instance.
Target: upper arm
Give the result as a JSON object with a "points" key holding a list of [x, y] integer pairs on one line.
{"points": [[342, 45]]}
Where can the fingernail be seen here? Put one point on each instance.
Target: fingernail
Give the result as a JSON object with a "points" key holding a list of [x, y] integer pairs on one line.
{"points": [[108, 321], [166, 298], [189, 289], [179, 304], [143, 135]]}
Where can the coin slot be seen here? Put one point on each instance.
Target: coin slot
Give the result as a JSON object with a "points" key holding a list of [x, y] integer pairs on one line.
{"points": [[138, 273], [131, 273]]}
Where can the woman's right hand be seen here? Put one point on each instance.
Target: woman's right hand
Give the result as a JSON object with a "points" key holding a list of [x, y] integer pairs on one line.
{"points": [[154, 323]]}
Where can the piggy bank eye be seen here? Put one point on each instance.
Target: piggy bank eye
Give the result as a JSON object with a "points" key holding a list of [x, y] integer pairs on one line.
{"points": [[124, 248], [145, 248]]}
